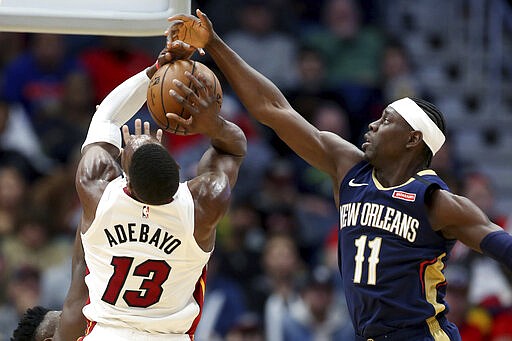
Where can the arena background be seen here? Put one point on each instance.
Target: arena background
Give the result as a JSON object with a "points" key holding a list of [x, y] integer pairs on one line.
{"points": [[277, 246]]}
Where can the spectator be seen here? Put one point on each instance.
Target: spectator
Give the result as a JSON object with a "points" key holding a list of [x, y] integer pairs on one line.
{"points": [[36, 78], [278, 190], [32, 243], [312, 87], [270, 52], [458, 301], [248, 328], [315, 207], [23, 292], [55, 282], [224, 303], [317, 315], [19, 140], [327, 116], [276, 288], [353, 52], [241, 240], [310, 92], [55, 194], [398, 78], [497, 293], [352, 49], [479, 188], [13, 187], [448, 166], [63, 126]]}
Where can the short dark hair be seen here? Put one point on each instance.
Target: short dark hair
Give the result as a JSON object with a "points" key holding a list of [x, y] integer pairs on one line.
{"points": [[29, 323], [154, 174], [436, 116]]}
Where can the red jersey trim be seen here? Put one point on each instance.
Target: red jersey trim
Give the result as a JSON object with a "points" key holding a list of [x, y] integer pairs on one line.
{"points": [[199, 297]]}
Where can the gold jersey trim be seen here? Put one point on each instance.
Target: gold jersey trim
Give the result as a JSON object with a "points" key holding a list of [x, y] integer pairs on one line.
{"points": [[433, 276], [383, 188]]}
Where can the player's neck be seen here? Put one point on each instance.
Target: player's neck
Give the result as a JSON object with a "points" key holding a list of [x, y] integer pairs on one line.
{"points": [[394, 174]]}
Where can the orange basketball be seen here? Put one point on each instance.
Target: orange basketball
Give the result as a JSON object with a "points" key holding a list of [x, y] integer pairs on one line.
{"points": [[160, 102]]}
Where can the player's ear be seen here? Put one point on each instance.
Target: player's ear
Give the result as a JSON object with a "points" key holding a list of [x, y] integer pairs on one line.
{"points": [[415, 138]]}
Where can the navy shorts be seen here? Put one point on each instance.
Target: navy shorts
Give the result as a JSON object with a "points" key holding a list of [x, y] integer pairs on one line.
{"points": [[422, 333]]}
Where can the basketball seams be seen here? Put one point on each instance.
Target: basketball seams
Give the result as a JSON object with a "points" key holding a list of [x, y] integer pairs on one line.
{"points": [[154, 116], [214, 84], [162, 102], [183, 108], [215, 80], [162, 97], [159, 106]]}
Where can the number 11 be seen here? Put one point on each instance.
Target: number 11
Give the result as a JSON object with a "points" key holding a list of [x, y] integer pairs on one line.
{"points": [[373, 260]]}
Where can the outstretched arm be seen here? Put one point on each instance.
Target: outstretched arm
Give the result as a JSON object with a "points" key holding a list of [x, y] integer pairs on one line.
{"points": [[325, 151], [218, 168], [459, 218]]}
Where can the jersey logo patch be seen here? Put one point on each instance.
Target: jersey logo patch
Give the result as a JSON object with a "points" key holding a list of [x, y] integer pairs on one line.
{"points": [[145, 211], [351, 183], [404, 196]]}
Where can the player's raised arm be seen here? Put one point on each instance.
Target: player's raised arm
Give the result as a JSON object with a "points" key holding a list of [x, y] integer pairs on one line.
{"points": [[218, 168], [325, 151], [228, 142], [102, 146]]}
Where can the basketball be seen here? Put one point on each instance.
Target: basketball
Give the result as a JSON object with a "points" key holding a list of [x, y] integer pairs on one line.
{"points": [[160, 102]]}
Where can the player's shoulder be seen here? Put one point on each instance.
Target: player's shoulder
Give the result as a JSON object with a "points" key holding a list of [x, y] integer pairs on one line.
{"points": [[98, 163], [97, 168], [430, 179], [211, 194], [210, 190]]}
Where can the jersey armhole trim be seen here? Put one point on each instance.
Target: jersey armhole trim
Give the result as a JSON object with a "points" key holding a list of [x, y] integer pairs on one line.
{"points": [[193, 224]]}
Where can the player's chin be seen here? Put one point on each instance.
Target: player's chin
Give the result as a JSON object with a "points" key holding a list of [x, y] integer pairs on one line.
{"points": [[367, 153]]}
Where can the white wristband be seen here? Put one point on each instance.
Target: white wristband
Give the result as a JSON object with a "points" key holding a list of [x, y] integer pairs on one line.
{"points": [[102, 131]]}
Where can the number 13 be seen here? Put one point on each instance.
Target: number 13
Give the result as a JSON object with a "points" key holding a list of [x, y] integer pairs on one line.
{"points": [[151, 288]]}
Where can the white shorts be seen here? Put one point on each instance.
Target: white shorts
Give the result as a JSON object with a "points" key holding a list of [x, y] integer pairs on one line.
{"points": [[101, 333]]}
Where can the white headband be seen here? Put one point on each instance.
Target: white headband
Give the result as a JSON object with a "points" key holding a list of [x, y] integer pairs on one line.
{"points": [[419, 120]]}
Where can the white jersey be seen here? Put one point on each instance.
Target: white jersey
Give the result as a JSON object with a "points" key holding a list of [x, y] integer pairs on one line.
{"points": [[145, 270]]}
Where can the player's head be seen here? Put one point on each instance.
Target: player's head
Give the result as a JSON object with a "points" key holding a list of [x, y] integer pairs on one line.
{"points": [[153, 175], [410, 123], [37, 324], [437, 117]]}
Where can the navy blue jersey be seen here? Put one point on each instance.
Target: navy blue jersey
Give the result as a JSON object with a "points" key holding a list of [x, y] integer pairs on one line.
{"points": [[390, 258]]}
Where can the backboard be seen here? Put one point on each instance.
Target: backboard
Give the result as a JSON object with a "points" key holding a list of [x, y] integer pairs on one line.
{"points": [[95, 17]]}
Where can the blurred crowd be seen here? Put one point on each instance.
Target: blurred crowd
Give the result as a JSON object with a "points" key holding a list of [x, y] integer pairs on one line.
{"points": [[273, 274]]}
